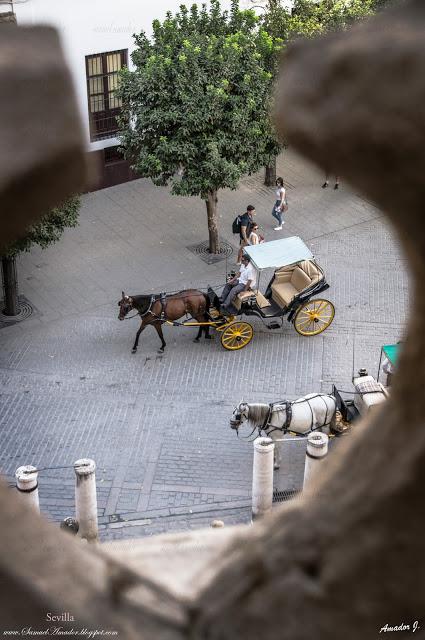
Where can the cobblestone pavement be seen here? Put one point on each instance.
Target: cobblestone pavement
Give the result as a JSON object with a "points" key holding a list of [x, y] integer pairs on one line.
{"points": [[158, 425]]}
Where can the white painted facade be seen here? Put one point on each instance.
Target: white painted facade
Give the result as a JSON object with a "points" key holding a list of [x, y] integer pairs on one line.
{"points": [[88, 27], [259, 5]]}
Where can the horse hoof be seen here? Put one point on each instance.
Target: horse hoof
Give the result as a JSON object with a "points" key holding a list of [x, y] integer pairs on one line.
{"points": [[209, 338], [161, 351], [276, 467], [196, 340]]}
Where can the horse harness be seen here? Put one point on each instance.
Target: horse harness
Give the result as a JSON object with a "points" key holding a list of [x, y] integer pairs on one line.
{"points": [[162, 298], [288, 412]]}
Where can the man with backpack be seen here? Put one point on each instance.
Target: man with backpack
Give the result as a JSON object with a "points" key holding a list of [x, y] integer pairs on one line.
{"points": [[243, 223]]}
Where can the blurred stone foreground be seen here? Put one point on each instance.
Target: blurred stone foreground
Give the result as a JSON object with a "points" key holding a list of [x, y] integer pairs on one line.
{"points": [[343, 562]]}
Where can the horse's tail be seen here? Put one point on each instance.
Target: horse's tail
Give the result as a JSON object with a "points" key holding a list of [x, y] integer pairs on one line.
{"points": [[333, 425], [208, 303]]}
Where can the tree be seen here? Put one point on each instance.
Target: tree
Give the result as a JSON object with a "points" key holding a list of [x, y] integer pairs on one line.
{"points": [[313, 17], [46, 231], [273, 21], [195, 111], [307, 18]]}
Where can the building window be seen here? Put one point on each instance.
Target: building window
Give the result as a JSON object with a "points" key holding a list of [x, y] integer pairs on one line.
{"points": [[102, 81]]}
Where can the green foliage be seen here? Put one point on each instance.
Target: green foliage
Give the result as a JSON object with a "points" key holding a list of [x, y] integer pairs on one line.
{"points": [[308, 18], [49, 228], [196, 107], [311, 17]]}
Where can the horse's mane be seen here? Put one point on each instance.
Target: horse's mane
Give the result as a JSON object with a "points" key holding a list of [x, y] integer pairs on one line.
{"points": [[141, 302], [143, 296], [257, 413], [174, 294]]}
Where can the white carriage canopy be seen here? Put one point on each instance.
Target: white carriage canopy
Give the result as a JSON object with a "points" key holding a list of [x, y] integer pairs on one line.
{"points": [[278, 253]]}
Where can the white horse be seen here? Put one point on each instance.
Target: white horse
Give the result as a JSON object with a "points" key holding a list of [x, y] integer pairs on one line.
{"points": [[316, 411]]}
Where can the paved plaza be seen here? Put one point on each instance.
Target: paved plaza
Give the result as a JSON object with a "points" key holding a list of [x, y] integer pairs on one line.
{"points": [[158, 425]]}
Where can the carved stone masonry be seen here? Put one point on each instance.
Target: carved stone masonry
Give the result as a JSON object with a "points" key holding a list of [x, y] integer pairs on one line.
{"points": [[351, 558], [41, 139]]}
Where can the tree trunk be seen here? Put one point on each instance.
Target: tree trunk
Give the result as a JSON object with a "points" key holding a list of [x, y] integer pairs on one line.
{"points": [[270, 173], [10, 287], [211, 203]]}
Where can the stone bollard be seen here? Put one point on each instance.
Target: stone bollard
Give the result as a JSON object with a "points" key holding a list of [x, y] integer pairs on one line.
{"points": [[27, 485], [85, 499], [217, 524], [317, 450], [262, 477]]}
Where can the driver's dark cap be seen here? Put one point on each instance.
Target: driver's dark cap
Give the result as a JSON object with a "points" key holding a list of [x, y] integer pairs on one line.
{"points": [[250, 207]]}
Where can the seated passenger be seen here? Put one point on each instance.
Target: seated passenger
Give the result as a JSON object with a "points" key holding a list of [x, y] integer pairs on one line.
{"points": [[243, 281]]}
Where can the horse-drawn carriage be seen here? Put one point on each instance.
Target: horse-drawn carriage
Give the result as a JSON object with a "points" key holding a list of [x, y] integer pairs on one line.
{"points": [[295, 279]]}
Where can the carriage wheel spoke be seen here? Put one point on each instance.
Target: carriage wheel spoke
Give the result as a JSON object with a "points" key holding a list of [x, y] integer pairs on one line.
{"points": [[305, 323], [324, 319], [322, 305]]}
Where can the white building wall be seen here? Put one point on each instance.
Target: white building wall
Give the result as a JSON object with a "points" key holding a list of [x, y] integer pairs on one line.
{"points": [[95, 26]]}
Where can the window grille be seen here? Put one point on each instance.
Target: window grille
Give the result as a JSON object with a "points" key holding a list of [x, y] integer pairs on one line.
{"points": [[111, 155], [102, 71]]}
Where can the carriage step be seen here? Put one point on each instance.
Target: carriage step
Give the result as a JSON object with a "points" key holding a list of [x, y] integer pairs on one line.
{"points": [[273, 325]]}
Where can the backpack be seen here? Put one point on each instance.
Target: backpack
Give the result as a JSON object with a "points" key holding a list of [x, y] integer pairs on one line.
{"points": [[236, 225]]}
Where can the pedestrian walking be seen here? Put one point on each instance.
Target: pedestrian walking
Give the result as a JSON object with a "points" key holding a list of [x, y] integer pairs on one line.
{"points": [[280, 205], [246, 221], [326, 182]]}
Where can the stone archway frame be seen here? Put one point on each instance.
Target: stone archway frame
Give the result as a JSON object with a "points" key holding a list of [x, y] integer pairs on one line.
{"points": [[350, 558]]}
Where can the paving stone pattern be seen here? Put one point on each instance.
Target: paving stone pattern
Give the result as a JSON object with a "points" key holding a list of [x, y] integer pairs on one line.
{"points": [[158, 425]]}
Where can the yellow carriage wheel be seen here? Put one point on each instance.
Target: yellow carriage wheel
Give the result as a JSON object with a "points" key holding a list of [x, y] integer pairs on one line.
{"points": [[237, 335], [313, 317]]}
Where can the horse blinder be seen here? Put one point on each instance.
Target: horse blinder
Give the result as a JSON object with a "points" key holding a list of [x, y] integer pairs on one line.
{"points": [[125, 306]]}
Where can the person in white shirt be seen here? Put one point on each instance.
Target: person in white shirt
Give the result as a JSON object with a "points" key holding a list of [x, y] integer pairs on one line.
{"points": [[255, 237], [244, 280]]}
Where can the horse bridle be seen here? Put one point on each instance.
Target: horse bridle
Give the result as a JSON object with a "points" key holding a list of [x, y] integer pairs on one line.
{"points": [[139, 313], [238, 417], [128, 302]]}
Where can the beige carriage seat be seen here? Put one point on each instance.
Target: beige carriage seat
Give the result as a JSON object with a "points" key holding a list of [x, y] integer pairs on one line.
{"points": [[244, 295], [290, 281]]}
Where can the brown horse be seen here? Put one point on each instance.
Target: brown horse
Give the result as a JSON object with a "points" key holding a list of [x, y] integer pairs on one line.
{"points": [[156, 309]]}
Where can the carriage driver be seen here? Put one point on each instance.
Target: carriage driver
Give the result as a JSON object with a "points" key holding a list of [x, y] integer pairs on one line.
{"points": [[243, 281]]}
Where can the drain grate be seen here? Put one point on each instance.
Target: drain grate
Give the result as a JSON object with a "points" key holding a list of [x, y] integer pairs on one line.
{"points": [[115, 517], [202, 250], [25, 311], [283, 496]]}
